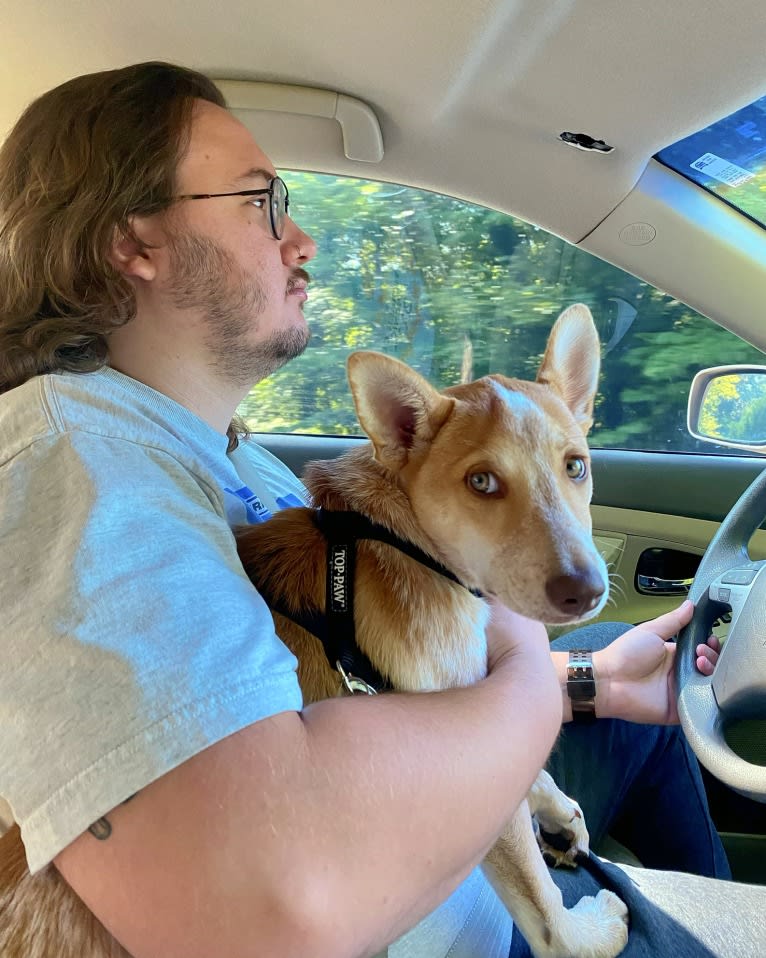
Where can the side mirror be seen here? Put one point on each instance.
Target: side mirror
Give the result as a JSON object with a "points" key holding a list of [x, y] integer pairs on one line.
{"points": [[727, 406]]}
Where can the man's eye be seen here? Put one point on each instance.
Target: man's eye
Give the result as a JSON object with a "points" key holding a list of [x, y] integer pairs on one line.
{"points": [[259, 202]]}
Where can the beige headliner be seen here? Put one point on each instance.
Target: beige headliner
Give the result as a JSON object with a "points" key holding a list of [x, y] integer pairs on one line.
{"points": [[470, 94]]}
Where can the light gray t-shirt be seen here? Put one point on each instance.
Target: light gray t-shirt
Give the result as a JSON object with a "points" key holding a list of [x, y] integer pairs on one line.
{"points": [[131, 637]]}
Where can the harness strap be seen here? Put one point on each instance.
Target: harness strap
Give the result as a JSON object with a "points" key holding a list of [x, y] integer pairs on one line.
{"points": [[353, 525], [335, 628]]}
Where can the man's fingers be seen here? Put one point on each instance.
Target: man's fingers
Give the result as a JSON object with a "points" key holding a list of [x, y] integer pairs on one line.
{"points": [[707, 656], [668, 624], [713, 643], [704, 665]]}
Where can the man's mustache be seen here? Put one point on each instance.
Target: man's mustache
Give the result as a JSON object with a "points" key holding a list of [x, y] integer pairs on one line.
{"points": [[299, 277]]}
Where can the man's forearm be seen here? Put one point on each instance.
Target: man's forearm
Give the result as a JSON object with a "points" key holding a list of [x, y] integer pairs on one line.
{"points": [[634, 674], [338, 828]]}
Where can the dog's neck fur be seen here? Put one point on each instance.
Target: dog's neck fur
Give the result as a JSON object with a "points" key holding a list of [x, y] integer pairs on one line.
{"points": [[357, 483]]}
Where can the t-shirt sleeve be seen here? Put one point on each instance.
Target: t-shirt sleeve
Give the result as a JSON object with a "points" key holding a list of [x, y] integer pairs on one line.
{"points": [[131, 639]]}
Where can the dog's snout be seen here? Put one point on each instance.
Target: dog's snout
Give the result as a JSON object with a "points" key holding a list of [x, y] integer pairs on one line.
{"points": [[575, 593]]}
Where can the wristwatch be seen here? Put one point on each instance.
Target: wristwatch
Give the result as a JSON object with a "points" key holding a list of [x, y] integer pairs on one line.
{"points": [[581, 686]]}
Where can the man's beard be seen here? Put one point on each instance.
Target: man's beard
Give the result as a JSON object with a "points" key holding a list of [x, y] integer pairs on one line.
{"points": [[207, 279]]}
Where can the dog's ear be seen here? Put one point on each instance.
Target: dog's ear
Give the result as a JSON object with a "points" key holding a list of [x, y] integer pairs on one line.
{"points": [[571, 363], [398, 409]]}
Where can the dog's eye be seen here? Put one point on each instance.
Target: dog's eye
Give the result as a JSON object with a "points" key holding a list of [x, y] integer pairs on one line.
{"points": [[483, 482], [577, 468]]}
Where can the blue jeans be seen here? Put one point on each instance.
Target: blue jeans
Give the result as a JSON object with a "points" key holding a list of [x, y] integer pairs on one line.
{"points": [[642, 785]]}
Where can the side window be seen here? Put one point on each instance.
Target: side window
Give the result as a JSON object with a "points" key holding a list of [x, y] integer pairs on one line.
{"points": [[458, 291]]}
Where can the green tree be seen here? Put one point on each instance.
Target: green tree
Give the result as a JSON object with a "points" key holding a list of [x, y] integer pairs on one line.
{"points": [[458, 291]]}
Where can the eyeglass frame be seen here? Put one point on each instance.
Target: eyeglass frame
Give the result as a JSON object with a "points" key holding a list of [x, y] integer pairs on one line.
{"points": [[277, 233]]}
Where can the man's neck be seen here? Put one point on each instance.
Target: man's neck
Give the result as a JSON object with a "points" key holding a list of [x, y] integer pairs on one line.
{"points": [[182, 376]]}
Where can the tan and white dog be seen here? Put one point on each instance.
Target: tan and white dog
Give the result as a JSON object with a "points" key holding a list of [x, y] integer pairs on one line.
{"points": [[490, 480]]}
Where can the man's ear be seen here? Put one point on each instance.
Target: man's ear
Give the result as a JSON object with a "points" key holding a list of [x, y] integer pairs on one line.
{"points": [[131, 257], [399, 410], [571, 363]]}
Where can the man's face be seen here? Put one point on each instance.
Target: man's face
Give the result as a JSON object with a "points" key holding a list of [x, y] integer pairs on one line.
{"points": [[245, 288]]}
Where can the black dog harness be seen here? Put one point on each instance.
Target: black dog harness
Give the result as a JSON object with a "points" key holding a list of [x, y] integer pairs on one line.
{"points": [[335, 627]]}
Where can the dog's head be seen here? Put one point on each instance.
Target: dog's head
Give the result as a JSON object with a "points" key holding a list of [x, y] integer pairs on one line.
{"points": [[498, 470]]}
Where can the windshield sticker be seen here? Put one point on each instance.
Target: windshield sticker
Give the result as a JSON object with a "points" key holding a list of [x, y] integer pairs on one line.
{"points": [[722, 170]]}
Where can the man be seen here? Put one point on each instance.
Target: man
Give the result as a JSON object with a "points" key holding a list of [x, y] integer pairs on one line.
{"points": [[149, 275]]}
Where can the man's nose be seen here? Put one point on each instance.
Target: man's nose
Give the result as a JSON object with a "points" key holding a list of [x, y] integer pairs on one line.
{"points": [[297, 247]]}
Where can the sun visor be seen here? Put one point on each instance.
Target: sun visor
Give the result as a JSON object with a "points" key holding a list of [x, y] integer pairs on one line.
{"points": [[304, 127]]}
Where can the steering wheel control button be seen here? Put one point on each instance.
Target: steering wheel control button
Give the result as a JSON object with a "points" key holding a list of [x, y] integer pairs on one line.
{"points": [[724, 595], [738, 577]]}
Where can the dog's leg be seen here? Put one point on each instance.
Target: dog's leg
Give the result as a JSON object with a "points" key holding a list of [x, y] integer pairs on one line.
{"points": [[594, 928], [561, 835]]}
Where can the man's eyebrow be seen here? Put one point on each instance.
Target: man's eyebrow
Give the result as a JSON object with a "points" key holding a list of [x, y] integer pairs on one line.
{"points": [[257, 172]]}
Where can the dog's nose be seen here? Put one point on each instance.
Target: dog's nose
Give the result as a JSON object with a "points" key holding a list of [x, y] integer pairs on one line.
{"points": [[576, 593]]}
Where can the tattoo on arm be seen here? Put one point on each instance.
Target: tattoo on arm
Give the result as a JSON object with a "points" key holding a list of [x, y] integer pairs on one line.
{"points": [[102, 828]]}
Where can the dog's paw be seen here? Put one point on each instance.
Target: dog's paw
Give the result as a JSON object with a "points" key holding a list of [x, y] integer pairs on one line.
{"points": [[562, 836], [594, 928], [559, 822]]}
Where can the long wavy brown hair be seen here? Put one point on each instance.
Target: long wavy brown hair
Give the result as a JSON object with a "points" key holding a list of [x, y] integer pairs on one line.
{"points": [[79, 163]]}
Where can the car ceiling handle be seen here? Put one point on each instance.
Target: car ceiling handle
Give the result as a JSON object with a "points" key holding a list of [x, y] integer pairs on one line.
{"points": [[362, 136]]}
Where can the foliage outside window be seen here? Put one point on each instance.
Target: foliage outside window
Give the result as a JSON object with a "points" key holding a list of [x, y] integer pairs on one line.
{"points": [[734, 408], [458, 291]]}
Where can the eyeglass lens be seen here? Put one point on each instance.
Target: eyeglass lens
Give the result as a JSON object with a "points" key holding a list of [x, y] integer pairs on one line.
{"points": [[279, 206]]}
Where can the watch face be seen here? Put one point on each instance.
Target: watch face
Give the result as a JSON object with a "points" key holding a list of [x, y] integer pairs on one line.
{"points": [[582, 691], [581, 682]]}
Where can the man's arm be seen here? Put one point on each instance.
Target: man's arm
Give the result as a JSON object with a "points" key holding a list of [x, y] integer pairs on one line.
{"points": [[635, 679], [329, 832]]}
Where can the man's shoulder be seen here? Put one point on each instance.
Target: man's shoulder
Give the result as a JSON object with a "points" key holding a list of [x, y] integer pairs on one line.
{"points": [[108, 407], [63, 402], [27, 417]]}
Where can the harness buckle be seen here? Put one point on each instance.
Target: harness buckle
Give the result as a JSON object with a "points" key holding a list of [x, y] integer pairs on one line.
{"points": [[353, 685]]}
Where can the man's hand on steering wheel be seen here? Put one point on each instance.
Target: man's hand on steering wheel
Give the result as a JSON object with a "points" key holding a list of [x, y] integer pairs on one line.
{"points": [[636, 680]]}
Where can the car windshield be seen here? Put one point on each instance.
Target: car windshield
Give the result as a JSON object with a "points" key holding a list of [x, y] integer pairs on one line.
{"points": [[728, 158]]}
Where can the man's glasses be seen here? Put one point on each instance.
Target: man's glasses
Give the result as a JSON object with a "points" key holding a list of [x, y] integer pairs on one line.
{"points": [[279, 202]]}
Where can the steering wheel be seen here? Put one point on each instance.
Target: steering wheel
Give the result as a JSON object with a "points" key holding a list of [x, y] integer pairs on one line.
{"points": [[730, 706]]}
